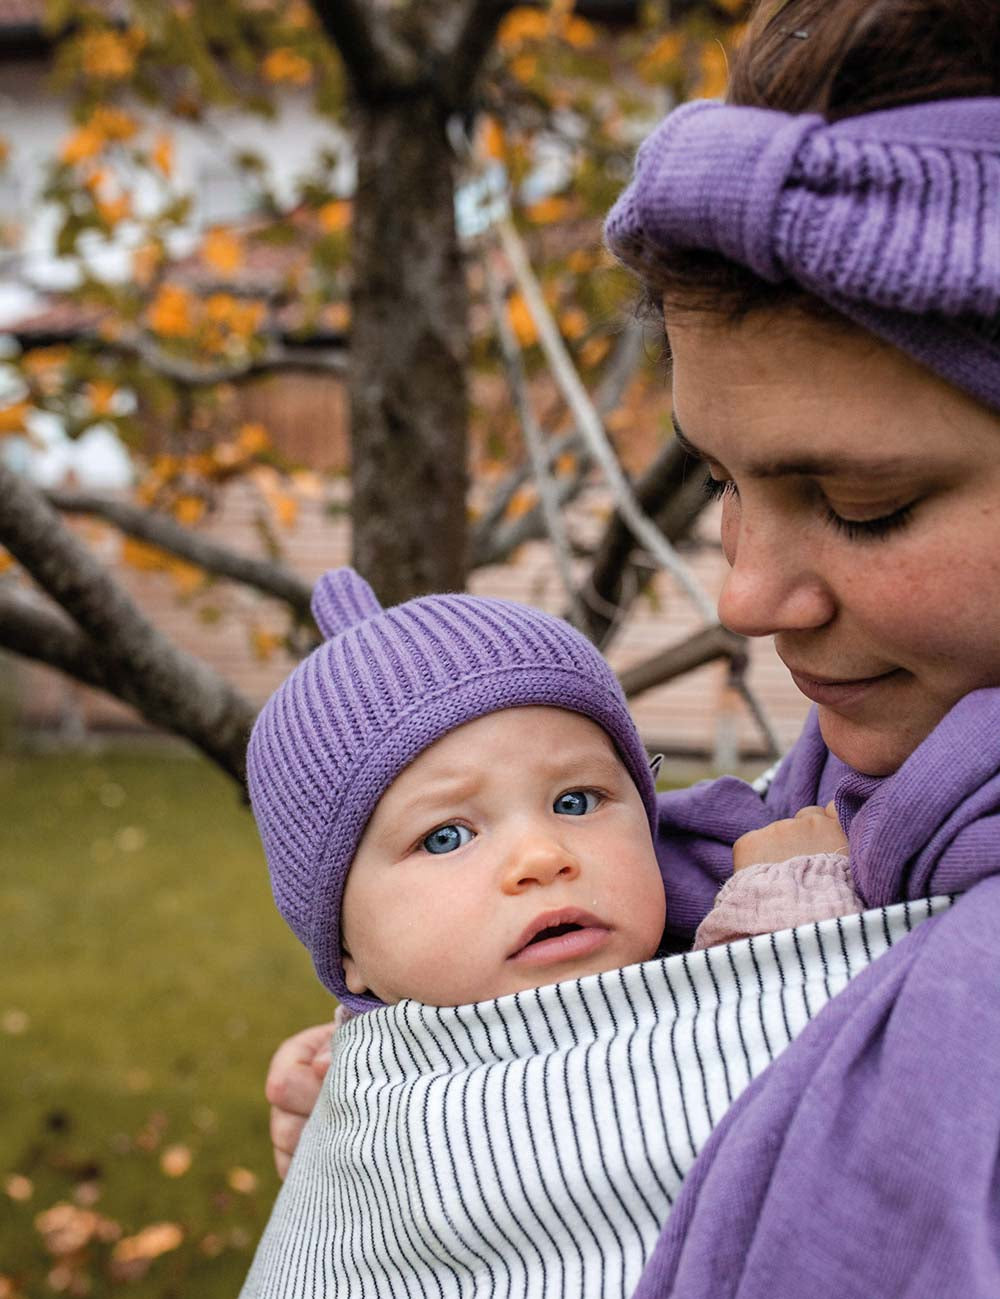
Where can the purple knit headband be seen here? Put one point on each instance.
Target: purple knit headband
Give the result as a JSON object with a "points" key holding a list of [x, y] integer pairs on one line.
{"points": [[893, 217]]}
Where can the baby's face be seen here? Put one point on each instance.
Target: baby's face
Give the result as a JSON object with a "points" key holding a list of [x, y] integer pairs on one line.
{"points": [[514, 852]]}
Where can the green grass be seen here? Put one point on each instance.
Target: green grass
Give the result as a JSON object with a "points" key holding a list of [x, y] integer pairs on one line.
{"points": [[146, 978]]}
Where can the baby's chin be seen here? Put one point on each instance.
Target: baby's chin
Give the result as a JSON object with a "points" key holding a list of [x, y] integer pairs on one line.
{"points": [[512, 980]]}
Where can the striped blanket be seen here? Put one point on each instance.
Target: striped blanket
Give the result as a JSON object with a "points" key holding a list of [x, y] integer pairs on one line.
{"points": [[533, 1146]]}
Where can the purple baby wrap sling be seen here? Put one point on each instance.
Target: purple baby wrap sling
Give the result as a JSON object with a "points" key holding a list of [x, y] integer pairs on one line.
{"points": [[864, 1162]]}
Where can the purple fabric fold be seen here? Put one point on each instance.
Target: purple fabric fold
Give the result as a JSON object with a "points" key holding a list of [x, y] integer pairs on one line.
{"points": [[864, 1162]]}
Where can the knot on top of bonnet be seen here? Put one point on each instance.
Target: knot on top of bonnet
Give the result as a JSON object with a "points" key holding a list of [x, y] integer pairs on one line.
{"points": [[340, 599]]}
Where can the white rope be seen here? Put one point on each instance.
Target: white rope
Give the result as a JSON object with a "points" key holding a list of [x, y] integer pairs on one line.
{"points": [[536, 444], [591, 428]]}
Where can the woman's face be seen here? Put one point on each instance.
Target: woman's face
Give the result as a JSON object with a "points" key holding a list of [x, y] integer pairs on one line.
{"points": [[861, 519]]}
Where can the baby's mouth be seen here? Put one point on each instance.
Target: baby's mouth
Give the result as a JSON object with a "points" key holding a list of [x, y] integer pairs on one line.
{"points": [[559, 936]]}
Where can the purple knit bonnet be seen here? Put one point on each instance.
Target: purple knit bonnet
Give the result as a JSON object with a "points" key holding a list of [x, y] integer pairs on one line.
{"points": [[384, 685], [891, 217]]}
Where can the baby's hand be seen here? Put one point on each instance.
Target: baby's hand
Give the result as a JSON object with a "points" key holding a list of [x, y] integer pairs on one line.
{"points": [[813, 829]]}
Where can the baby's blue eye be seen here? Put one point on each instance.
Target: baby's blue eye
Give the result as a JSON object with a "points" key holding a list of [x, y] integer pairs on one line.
{"points": [[446, 838], [575, 802]]}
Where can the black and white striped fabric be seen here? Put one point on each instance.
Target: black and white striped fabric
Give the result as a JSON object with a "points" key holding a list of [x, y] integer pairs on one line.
{"points": [[533, 1146]]}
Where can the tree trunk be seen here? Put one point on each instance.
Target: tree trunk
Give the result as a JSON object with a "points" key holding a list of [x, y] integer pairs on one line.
{"points": [[407, 385]]}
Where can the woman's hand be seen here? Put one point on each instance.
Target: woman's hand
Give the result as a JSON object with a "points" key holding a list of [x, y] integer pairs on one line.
{"points": [[810, 830], [294, 1079]]}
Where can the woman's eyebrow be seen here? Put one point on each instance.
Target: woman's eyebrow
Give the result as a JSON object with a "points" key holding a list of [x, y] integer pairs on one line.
{"points": [[818, 466]]}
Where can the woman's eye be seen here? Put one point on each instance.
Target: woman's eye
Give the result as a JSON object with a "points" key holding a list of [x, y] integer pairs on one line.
{"points": [[870, 529], [576, 802], [446, 838]]}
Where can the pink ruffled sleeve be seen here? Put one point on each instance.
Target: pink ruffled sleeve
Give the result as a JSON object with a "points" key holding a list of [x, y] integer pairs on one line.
{"points": [[780, 895]]}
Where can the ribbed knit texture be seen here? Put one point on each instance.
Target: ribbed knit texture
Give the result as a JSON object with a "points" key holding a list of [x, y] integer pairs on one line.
{"points": [[380, 690], [891, 217]]}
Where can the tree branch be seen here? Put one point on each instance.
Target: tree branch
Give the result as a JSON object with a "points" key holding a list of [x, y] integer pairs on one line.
{"points": [[376, 62], [171, 688], [276, 356], [703, 647], [35, 633], [493, 540], [470, 47], [671, 492], [161, 530]]}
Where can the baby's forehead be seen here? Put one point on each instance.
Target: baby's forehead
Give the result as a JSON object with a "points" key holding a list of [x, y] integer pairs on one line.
{"points": [[542, 740]]}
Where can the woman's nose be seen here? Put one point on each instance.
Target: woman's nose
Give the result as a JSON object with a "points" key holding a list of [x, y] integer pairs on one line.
{"points": [[538, 860], [773, 584]]}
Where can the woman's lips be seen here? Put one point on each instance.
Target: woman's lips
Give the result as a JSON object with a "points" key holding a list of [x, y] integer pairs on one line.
{"points": [[840, 694]]}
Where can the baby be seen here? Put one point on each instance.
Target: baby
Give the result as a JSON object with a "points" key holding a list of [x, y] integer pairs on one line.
{"points": [[456, 805]]}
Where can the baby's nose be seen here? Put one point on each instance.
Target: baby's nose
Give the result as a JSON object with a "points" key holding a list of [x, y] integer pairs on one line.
{"points": [[539, 861]]}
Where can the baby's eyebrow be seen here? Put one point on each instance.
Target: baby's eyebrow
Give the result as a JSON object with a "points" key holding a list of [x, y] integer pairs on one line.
{"points": [[813, 466]]}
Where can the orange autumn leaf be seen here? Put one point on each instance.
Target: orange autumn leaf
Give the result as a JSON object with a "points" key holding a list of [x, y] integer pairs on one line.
{"points": [[565, 464], [84, 143], [242, 1180], [149, 1243], [99, 394], [142, 556], [573, 322], [6, 562], [162, 154], [548, 210], [188, 509], [594, 350], [286, 509], [175, 1161], [521, 320], [264, 643], [106, 55], [579, 33], [286, 65], [187, 578], [335, 216], [520, 25], [113, 123], [524, 67], [713, 71], [492, 137], [222, 250], [252, 439], [13, 419], [113, 210], [524, 499], [661, 54], [581, 260], [171, 312]]}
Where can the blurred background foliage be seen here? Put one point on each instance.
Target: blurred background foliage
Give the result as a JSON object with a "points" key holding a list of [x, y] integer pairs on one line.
{"points": [[147, 977]]}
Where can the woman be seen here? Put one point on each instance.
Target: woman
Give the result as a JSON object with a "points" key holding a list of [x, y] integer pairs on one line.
{"points": [[826, 250]]}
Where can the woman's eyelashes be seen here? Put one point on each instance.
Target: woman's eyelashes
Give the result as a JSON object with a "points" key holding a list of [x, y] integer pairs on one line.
{"points": [[854, 529]]}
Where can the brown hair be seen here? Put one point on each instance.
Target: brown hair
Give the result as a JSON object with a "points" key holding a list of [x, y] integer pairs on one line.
{"points": [[838, 58]]}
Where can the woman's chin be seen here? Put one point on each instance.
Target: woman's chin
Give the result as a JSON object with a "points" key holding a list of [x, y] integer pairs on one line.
{"points": [[876, 749]]}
